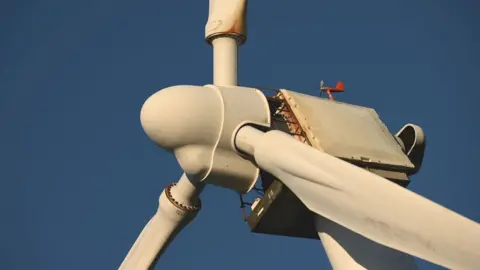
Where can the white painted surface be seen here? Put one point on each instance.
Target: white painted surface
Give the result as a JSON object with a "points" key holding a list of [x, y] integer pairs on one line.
{"points": [[194, 123], [364, 202], [225, 61], [226, 17], [346, 131], [348, 250], [198, 125], [162, 228]]}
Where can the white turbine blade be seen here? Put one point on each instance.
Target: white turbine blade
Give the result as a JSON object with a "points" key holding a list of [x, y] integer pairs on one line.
{"points": [[151, 243], [364, 202], [178, 206], [348, 250]]}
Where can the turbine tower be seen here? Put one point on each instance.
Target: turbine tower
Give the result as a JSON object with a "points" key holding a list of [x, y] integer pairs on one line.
{"points": [[227, 135]]}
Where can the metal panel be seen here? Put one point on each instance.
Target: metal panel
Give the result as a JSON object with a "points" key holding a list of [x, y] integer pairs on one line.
{"points": [[346, 131], [280, 212]]}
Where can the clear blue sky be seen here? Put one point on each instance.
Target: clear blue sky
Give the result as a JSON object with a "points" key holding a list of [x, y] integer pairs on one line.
{"points": [[80, 179]]}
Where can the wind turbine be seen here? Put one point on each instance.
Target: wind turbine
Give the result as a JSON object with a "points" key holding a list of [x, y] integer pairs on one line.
{"points": [[221, 134]]}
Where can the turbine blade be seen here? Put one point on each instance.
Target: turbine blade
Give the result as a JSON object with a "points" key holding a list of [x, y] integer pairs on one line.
{"points": [[172, 216], [364, 202], [349, 250], [151, 243]]}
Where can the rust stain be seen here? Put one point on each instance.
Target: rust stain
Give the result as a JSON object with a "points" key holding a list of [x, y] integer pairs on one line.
{"points": [[292, 123]]}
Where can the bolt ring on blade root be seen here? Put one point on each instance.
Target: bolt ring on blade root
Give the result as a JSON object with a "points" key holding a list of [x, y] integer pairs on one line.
{"points": [[187, 208], [238, 37]]}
